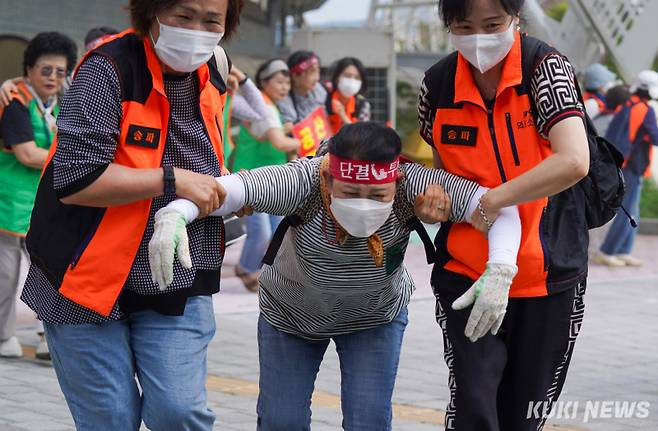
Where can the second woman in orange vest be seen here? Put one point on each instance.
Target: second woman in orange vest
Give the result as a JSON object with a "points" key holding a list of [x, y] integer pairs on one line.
{"points": [[346, 103], [504, 111], [141, 125]]}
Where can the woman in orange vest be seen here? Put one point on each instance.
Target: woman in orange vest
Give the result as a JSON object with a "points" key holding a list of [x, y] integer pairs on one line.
{"points": [[504, 111], [141, 125], [346, 103]]}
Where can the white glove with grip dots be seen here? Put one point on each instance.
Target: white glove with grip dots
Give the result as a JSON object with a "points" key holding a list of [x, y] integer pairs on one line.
{"points": [[489, 295], [169, 238]]}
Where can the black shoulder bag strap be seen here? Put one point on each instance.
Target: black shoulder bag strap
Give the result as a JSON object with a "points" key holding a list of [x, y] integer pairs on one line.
{"points": [[294, 220], [408, 217], [416, 225], [277, 239]]}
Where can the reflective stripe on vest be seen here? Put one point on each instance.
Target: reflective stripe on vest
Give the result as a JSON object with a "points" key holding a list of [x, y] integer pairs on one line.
{"points": [[102, 264], [492, 146]]}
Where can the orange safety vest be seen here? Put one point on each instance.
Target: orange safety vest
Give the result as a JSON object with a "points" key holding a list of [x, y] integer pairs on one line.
{"points": [[353, 109], [492, 146], [334, 119], [22, 94], [88, 253], [638, 113]]}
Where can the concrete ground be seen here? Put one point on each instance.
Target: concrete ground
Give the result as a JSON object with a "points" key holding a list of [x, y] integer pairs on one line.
{"points": [[615, 361]]}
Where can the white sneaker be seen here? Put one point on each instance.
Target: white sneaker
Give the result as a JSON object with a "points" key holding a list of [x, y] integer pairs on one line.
{"points": [[630, 260], [11, 348], [42, 351], [607, 260]]}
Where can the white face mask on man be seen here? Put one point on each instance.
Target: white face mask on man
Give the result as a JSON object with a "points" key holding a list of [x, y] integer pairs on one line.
{"points": [[349, 86], [185, 50], [360, 217], [484, 51]]}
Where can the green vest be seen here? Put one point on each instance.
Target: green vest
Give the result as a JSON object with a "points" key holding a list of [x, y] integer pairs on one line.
{"points": [[251, 153], [19, 183]]}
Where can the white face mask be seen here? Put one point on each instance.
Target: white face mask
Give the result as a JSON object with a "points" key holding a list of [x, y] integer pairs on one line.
{"points": [[185, 50], [360, 217], [349, 86], [484, 51]]}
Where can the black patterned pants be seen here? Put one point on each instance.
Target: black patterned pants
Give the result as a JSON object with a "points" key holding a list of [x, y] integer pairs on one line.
{"points": [[508, 382]]}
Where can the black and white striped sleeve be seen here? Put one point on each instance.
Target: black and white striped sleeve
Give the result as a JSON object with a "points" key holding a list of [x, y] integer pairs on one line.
{"points": [[554, 90], [425, 113], [460, 190], [280, 190]]}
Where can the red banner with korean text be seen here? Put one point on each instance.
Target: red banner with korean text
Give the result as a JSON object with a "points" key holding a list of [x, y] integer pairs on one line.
{"points": [[311, 131]]}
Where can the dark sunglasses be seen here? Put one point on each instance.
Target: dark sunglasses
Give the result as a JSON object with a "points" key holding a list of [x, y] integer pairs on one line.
{"points": [[47, 71]]}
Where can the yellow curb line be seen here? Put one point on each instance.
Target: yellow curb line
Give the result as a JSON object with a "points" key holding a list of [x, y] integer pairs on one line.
{"points": [[29, 352], [403, 412], [323, 399]]}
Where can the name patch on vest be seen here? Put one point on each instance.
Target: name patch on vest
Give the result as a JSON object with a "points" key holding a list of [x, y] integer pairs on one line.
{"points": [[459, 135], [143, 136]]}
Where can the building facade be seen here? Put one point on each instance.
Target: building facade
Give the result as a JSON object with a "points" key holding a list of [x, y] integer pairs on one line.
{"points": [[261, 33]]}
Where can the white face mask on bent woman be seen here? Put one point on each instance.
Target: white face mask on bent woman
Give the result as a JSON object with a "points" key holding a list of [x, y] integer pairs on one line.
{"points": [[360, 217], [185, 50], [484, 51]]}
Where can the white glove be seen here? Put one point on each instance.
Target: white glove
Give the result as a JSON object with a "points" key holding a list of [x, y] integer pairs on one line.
{"points": [[489, 296], [169, 237]]}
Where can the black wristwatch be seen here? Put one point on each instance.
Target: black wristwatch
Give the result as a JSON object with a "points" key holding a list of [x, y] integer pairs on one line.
{"points": [[241, 83], [169, 180]]}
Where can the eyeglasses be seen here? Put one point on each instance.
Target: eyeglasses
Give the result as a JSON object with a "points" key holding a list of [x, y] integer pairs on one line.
{"points": [[47, 71]]}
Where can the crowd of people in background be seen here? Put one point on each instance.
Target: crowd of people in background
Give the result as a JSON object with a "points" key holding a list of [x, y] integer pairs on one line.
{"points": [[626, 116]]}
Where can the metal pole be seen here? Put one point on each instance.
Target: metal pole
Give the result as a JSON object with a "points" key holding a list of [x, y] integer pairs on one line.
{"points": [[590, 21]]}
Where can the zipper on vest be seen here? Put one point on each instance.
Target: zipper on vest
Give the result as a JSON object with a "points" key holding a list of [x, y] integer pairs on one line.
{"points": [[219, 129], [512, 140], [494, 140], [542, 240], [83, 245]]}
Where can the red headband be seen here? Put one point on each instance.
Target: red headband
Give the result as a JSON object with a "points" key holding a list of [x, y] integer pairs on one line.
{"points": [[302, 67], [363, 172]]}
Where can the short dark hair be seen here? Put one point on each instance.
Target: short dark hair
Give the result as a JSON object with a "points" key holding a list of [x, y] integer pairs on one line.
{"points": [[262, 67], [367, 141], [50, 43], [143, 12], [617, 95], [458, 10], [98, 32], [299, 56], [343, 64], [643, 93]]}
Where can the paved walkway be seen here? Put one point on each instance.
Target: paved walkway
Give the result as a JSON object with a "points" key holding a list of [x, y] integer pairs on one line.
{"points": [[615, 360]]}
